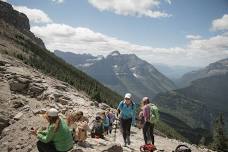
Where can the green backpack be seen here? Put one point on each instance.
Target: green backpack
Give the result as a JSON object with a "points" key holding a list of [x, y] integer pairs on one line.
{"points": [[154, 114]]}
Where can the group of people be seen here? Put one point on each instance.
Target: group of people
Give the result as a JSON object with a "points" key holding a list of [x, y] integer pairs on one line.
{"points": [[148, 117], [61, 134]]}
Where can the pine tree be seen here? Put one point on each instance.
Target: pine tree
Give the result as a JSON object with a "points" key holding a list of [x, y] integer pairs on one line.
{"points": [[219, 140]]}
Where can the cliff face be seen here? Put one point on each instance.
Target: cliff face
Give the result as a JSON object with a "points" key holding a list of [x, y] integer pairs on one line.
{"points": [[13, 17], [19, 20]]}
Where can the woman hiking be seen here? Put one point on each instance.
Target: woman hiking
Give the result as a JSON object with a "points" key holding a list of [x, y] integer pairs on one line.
{"points": [[126, 111], [57, 137], [151, 117]]}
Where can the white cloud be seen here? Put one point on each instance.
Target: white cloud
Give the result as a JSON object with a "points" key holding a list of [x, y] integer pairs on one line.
{"points": [[58, 1], [193, 37], [131, 7], [34, 15], [218, 42], [221, 23], [83, 40]]}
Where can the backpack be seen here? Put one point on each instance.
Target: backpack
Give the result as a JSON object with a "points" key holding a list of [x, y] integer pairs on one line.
{"points": [[182, 148], [132, 104], [97, 130], [147, 148], [154, 114]]}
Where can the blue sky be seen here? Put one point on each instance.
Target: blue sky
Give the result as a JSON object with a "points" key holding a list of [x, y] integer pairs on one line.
{"points": [[172, 32]]}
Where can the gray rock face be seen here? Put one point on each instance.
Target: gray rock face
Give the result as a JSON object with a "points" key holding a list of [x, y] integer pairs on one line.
{"points": [[15, 18], [18, 20], [122, 73], [18, 86], [26, 85]]}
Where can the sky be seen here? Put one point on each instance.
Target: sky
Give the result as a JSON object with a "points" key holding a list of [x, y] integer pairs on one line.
{"points": [[171, 32]]}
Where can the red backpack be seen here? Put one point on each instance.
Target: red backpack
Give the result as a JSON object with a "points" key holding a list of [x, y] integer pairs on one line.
{"points": [[147, 148]]}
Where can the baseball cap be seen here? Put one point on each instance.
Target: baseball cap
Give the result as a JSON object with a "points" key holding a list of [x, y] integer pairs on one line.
{"points": [[52, 112], [127, 95]]}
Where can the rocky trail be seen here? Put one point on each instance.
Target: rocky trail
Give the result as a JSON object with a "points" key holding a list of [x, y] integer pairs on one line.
{"points": [[26, 93]]}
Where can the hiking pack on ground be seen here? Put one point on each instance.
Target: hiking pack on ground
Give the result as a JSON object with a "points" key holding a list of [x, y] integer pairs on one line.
{"points": [[154, 114], [147, 148]]}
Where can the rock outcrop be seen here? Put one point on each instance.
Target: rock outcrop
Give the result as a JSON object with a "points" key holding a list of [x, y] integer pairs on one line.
{"points": [[18, 20], [15, 18]]}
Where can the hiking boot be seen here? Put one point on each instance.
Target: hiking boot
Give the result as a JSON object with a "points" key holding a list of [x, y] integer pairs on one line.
{"points": [[128, 140], [125, 143]]}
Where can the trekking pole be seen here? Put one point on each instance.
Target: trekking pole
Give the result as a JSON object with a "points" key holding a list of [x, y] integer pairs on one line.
{"points": [[115, 123]]}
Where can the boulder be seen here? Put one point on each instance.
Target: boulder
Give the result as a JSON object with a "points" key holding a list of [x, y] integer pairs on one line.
{"points": [[18, 86], [18, 116], [36, 89]]}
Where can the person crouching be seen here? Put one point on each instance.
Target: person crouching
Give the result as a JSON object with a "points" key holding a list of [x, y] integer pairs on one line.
{"points": [[57, 137]]}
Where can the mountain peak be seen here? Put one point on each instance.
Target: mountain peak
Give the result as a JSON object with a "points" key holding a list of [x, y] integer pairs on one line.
{"points": [[114, 53], [13, 17]]}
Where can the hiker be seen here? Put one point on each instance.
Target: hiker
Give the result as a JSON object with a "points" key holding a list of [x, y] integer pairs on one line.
{"points": [[97, 130], [57, 137], [111, 116], [151, 116], [79, 123], [126, 111], [105, 122]]}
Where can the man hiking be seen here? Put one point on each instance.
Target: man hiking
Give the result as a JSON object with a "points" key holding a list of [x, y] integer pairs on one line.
{"points": [[126, 111]]}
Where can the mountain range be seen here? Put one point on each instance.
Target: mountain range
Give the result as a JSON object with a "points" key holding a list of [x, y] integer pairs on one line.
{"points": [[121, 72], [213, 69], [202, 99]]}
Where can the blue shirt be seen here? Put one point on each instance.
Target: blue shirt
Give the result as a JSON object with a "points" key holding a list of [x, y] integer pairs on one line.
{"points": [[127, 111], [106, 121]]}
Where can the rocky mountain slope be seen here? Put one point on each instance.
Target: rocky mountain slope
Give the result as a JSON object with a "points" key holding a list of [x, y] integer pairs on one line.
{"points": [[18, 43], [122, 73], [200, 103], [25, 93], [214, 69]]}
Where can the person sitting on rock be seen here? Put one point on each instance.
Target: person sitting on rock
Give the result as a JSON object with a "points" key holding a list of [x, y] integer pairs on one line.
{"points": [[97, 130], [105, 122], [79, 123], [57, 137], [111, 116]]}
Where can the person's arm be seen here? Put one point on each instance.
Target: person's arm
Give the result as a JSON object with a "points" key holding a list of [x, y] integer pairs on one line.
{"points": [[120, 107], [46, 136], [133, 114]]}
